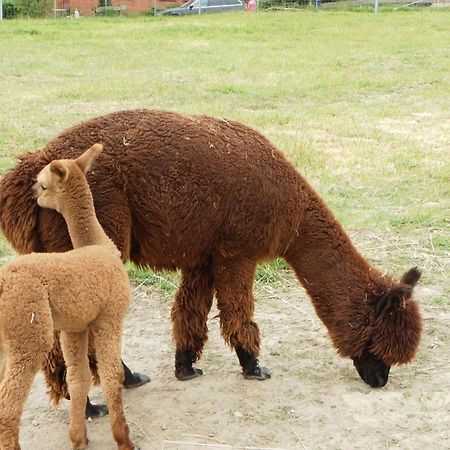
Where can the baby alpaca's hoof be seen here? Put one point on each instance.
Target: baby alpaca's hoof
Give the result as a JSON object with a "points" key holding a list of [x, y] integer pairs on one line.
{"points": [[129, 446], [82, 447], [259, 373], [187, 373], [95, 411], [138, 379]]}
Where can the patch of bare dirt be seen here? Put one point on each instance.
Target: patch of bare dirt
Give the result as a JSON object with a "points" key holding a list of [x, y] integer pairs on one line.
{"points": [[315, 400]]}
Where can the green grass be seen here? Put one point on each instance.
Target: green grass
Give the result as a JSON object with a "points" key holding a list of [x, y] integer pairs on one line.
{"points": [[358, 101], [165, 282]]}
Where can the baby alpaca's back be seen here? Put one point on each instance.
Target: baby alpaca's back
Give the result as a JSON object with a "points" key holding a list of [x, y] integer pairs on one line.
{"points": [[78, 283]]}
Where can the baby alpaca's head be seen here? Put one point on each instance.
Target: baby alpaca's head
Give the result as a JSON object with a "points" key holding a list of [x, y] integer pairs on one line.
{"points": [[62, 177]]}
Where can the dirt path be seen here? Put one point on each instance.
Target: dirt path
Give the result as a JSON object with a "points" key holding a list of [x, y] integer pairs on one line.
{"points": [[315, 400]]}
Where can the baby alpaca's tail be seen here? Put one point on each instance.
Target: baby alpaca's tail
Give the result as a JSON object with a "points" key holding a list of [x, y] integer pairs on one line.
{"points": [[26, 323]]}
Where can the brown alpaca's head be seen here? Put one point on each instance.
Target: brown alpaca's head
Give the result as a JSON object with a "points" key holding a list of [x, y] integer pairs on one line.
{"points": [[62, 177], [395, 334]]}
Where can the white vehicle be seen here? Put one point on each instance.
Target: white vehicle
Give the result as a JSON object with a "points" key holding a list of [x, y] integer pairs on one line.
{"points": [[206, 6]]}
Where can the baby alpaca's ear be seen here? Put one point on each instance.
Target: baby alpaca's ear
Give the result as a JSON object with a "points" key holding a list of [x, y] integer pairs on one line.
{"points": [[60, 170], [86, 160]]}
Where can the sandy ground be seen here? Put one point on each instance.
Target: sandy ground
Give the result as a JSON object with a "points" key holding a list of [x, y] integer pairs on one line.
{"points": [[315, 400]]}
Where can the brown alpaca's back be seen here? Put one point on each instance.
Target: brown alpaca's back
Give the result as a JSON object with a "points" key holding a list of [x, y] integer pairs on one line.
{"points": [[182, 187]]}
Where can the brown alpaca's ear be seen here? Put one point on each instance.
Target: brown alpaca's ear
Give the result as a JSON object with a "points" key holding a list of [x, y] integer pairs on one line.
{"points": [[399, 293], [411, 277], [60, 170], [86, 160]]}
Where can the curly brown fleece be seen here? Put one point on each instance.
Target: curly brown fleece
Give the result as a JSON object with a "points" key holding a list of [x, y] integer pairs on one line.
{"points": [[79, 291], [213, 198]]}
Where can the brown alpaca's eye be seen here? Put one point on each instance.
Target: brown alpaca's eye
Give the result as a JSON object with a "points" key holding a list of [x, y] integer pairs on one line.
{"points": [[43, 188]]}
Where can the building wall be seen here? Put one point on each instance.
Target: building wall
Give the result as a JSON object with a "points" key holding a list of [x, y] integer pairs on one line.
{"points": [[87, 7]]}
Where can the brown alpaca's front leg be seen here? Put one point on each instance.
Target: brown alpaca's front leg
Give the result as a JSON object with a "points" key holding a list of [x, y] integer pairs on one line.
{"points": [[75, 349], [189, 315], [233, 279]]}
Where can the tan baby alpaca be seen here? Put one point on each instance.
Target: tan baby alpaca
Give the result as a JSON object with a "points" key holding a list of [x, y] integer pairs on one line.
{"points": [[80, 292]]}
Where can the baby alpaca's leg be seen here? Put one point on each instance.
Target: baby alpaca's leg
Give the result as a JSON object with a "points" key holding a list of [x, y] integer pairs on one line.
{"points": [[14, 390], [2, 362], [108, 334], [75, 347]]}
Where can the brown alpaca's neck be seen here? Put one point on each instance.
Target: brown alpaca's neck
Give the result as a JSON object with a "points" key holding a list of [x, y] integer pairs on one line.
{"points": [[82, 223], [335, 275]]}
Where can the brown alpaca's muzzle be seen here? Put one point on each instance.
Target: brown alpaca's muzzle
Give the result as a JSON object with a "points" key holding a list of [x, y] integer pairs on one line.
{"points": [[372, 370]]}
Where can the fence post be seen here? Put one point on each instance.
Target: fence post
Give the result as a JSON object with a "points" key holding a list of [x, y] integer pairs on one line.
{"points": [[375, 10]]}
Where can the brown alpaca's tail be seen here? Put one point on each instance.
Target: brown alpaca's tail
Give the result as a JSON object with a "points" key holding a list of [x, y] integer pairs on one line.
{"points": [[18, 209], [54, 369], [2, 350]]}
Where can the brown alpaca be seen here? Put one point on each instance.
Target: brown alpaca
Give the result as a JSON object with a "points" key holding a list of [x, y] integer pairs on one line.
{"points": [[213, 198], [81, 291]]}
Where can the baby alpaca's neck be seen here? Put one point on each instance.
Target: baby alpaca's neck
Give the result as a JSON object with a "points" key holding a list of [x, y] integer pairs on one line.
{"points": [[82, 223]]}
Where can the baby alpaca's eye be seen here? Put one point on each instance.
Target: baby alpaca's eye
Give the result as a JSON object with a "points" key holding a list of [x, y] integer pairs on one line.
{"points": [[43, 187]]}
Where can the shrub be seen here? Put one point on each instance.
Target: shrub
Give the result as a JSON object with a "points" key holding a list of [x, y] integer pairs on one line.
{"points": [[9, 10], [34, 8]]}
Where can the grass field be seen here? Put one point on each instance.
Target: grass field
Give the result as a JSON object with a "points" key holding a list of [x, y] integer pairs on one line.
{"points": [[359, 102]]}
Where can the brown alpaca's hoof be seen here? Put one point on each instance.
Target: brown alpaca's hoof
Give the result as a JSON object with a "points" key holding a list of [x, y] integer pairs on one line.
{"points": [[187, 373], [94, 411], [137, 379], [259, 373], [250, 366], [183, 365]]}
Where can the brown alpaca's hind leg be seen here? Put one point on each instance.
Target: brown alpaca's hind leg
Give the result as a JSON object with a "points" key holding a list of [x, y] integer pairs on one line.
{"points": [[75, 348], [14, 389], [108, 335], [233, 280], [189, 315], [54, 369]]}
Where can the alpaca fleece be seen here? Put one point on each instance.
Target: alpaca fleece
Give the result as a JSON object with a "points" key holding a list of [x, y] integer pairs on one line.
{"points": [[79, 292], [213, 198]]}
